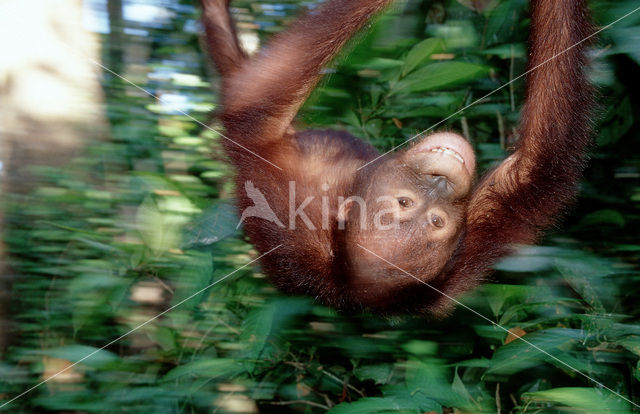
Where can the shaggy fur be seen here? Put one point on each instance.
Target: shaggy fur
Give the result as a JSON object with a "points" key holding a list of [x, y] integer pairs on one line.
{"points": [[510, 205]]}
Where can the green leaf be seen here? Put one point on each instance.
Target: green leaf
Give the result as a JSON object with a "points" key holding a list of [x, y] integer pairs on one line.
{"points": [[209, 368], [380, 374], [259, 325], [619, 119], [475, 363], [91, 291], [256, 329], [583, 400], [500, 21], [379, 64], [497, 295], [400, 393], [196, 275], [520, 355], [603, 217], [507, 51], [439, 75], [418, 347], [587, 276], [431, 378], [529, 259], [421, 52], [375, 405], [459, 388], [490, 151], [75, 353], [214, 224], [412, 112], [163, 337], [153, 228], [631, 343]]}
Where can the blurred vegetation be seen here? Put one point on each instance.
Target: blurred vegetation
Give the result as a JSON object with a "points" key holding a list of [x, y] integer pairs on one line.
{"points": [[143, 220]]}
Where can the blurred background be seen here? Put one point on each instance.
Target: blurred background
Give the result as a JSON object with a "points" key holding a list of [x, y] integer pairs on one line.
{"points": [[116, 204]]}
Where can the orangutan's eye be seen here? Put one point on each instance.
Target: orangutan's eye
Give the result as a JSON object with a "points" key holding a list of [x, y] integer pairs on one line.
{"points": [[437, 221], [405, 202]]}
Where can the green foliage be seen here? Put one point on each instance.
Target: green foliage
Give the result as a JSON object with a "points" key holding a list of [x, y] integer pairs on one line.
{"points": [[131, 253]]}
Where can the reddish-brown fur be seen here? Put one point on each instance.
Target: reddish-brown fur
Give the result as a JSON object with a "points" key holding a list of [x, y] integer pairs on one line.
{"points": [[509, 205]]}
